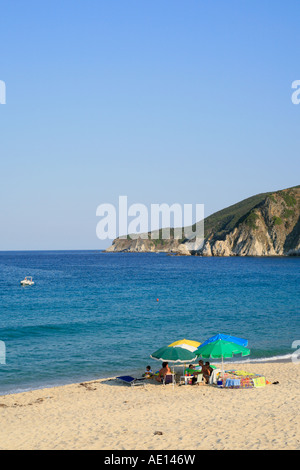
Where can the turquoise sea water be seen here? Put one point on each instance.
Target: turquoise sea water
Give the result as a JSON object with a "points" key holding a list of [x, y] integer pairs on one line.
{"points": [[92, 314]]}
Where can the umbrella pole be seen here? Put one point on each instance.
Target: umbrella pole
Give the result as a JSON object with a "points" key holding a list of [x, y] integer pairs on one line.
{"points": [[222, 368], [173, 378]]}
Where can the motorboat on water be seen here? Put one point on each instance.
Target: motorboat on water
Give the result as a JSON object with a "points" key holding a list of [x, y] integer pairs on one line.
{"points": [[27, 281]]}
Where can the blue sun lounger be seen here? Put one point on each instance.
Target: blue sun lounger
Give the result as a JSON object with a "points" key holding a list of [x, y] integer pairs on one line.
{"points": [[127, 379]]}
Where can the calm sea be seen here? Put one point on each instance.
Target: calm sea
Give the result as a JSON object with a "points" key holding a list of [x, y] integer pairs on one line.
{"points": [[92, 314]]}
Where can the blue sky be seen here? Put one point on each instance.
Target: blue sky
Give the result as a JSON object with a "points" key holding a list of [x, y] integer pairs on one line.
{"points": [[165, 102]]}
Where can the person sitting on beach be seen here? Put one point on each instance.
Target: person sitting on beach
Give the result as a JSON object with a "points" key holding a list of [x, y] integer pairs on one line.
{"points": [[192, 370], [199, 367], [196, 371], [148, 372], [165, 370], [206, 371]]}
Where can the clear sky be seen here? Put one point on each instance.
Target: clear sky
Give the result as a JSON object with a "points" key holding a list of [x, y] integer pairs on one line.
{"points": [[163, 101]]}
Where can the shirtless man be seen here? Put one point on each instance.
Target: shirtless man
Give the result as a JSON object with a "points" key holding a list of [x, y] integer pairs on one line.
{"points": [[163, 372], [206, 370], [199, 367]]}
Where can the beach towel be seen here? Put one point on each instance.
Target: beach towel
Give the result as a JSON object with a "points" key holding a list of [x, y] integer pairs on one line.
{"points": [[243, 372], [233, 383], [259, 382]]}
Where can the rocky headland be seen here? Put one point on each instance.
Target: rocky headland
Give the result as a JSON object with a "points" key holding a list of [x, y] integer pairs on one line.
{"points": [[267, 224]]}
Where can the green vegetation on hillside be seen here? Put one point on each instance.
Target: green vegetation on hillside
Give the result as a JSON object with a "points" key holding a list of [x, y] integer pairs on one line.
{"points": [[225, 220], [251, 220], [222, 222], [219, 224], [277, 220], [288, 213], [271, 196], [288, 198]]}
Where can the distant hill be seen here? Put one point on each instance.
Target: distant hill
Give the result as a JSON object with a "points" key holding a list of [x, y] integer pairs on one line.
{"points": [[267, 224]]}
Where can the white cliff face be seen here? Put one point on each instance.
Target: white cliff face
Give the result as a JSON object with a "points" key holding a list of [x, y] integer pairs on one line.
{"points": [[270, 228], [147, 246], [273, 231], [206, 250], [183, 250]]}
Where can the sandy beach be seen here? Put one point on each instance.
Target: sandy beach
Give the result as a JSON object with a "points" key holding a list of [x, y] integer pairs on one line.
{"points": [[105, 414]]}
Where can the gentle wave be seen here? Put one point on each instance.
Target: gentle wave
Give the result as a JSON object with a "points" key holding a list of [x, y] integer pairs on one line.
{"points": [[279, 358], [284, 358]]}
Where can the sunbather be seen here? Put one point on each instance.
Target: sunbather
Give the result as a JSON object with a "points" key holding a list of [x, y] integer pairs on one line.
{"points": [[165, 370], [199, 367], [206, 371]]}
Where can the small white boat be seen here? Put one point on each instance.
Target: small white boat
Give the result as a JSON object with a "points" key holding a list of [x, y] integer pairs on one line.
{"points": [[27, 281]]}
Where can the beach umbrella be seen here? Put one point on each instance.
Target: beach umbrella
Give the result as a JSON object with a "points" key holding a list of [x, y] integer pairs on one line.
{"points": [[231, 339], [221, 349], [186, 344], [173, 354]]}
